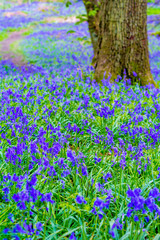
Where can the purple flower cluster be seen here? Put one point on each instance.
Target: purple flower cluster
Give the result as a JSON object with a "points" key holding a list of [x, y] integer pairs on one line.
{"points": [[54, 107], [34, 13], [80, 200], [116, 225], [29, 194], [100, 205], [141, 205], [26, 229]]}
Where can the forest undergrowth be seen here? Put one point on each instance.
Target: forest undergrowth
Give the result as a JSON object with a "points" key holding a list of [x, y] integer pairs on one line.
{"points": [[78, 160]]}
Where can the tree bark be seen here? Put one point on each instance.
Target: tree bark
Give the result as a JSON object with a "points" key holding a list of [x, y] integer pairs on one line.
{"points": [[93, 22], [122, 42]]}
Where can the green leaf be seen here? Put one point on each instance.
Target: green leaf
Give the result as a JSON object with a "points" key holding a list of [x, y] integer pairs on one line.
{"points": [[92, 13], [68, 3], [125, 236], [67, 205], [71, 31], [50, 237], [82, 18], [68, 233]]}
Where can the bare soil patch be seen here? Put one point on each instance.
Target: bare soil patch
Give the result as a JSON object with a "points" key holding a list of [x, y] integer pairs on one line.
{"points": [[18, 59], [47, 1], [6, 52], [71, 19], [12, 14], [43, 8]]}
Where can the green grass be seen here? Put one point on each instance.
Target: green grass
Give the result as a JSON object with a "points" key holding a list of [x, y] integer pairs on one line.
{"points": [[66, 216], [3, 35], [16, 48], [153, 10], [156, 33]]}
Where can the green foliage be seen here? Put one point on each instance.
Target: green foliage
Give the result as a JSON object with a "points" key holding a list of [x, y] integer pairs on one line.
{"points": [[16, 48], [68, 3], [28, 31], [3, 35], [151, 1], [157, 33], [82, 18], [93, 13], [66, 215], [153, 10], [71, 31]]}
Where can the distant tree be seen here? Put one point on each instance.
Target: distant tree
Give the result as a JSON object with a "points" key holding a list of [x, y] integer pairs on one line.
{"points": [[118, 30]]}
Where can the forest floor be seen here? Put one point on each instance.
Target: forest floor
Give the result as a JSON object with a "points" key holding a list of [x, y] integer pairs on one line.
{"points": [[8, 54], [17, 58], [76, 157]]}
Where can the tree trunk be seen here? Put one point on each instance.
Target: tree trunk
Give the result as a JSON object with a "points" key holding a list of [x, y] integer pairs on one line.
{"points": [[92, 9], [122, 40]]}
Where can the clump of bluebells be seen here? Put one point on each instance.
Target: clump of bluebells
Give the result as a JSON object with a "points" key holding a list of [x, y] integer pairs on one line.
{"points": [[77, 160]]}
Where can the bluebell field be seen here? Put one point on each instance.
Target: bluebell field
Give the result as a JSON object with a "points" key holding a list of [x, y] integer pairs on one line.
{"points": [[77, 160]]}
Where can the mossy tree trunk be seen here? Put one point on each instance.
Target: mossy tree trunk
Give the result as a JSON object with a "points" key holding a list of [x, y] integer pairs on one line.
{"points": [[93, 15], [122, 41]]}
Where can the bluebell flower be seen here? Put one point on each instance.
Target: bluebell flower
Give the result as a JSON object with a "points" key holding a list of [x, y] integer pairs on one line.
{"points": [[72, 236], [16, 197], [10, 217], [112, 234], [84, 171], [94, 211], [6, 230], [146, 219], [16, 237], [154, 193], [134, 74], [136, 218], [39, 226], [144, 211], [18, 229], [6, 190], [63, 183], [3, 135], [100, 216], [97, 160], [65, 173], [92, 182], [28, 227], [21, 205], [80, 200], [99, 202], [47, 198], [107, 176], [117, 224], [150, 203], [158, 176], [129, 213]]}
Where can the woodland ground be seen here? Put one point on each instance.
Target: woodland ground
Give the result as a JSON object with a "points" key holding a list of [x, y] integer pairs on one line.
{"points": [[77, 160]]}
